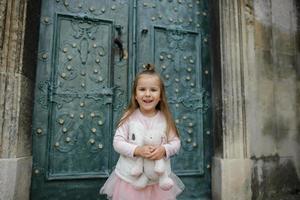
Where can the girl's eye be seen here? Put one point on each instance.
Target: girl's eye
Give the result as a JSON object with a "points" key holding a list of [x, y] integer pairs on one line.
{"points": [[153, 90], [141, 89]]}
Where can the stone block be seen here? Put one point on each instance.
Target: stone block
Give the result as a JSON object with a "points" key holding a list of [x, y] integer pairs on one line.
{"points": [[285, 66], [284, 25], [274, 178], [262, 36], [15, 177], [264, 65], [16, 108], [9, 111], [284, 41], [263, 24], [25, 117], [231, 179]]}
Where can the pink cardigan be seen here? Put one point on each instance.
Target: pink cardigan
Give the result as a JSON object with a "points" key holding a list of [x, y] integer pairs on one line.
{"points": [[122, 146]]}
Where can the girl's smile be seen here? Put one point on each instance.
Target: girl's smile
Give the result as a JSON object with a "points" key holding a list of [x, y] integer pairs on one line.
{"points": [[147, 101], [148, 94]]}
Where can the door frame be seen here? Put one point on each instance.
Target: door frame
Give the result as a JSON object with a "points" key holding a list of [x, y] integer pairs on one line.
{"points": [[215, 89]]}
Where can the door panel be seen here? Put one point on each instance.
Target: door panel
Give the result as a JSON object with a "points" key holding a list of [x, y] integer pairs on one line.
{"points": [[182, 81], [89, 52], [81, 89], [170, 34], [81, 98]]}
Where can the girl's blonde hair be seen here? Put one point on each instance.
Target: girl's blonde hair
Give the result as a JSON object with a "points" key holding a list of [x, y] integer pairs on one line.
{"points": [[162, 105]]}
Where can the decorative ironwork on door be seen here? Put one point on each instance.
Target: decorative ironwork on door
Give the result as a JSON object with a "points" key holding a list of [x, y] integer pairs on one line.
{"points": [[89, 52]]}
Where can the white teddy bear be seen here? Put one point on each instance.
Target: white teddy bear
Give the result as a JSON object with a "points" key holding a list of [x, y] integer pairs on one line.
{"points": [[149, 170]]}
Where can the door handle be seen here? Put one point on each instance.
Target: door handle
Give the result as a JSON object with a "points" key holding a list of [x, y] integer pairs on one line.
{"points": [[118, 41], [144, 31], [119, 44]]}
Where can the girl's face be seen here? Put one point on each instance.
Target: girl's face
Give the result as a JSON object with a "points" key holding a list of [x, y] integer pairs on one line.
{"points": [[148, 94]]}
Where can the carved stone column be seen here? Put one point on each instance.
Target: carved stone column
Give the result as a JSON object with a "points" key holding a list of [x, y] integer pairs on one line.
{"points": [[231, 173], [16, 91]]}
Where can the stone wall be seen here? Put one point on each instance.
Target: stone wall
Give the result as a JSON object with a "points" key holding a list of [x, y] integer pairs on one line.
{"points": [[18, 23], [256, 110], [275, 140]]}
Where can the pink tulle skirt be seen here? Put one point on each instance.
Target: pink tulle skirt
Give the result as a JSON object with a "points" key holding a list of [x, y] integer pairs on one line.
{"points": [[117, 189]]}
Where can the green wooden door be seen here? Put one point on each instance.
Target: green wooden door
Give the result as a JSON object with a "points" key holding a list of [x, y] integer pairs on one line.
{"points": [[89, 52]]}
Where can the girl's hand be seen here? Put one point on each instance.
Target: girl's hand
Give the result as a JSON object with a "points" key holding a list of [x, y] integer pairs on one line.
{"points": [[158, 153], [144, 151]]}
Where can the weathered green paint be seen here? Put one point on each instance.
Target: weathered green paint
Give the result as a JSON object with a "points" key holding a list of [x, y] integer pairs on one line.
{"points": [[89, 52]]}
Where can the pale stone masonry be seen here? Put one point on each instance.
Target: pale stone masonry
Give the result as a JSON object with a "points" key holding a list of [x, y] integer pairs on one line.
{"points": [[15, 104], [275, 148], [259, 61], [231, 173]]}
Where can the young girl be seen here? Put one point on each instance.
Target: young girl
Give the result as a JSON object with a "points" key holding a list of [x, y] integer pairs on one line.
{"points": [[148, 108]]}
